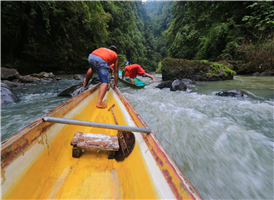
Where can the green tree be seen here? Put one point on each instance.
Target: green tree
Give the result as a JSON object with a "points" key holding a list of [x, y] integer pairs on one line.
{"points": [[50, 35]]}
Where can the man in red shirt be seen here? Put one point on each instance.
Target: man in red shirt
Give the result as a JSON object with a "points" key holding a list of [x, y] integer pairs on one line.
{"points": [[100, 61], [133, 70]]}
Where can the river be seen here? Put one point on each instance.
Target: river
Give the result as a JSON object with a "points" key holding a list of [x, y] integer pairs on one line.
{"points": [[223, 145]]}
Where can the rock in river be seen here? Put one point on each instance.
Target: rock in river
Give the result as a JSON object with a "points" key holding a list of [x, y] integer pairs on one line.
{"points": [[7, 95], [73, 91], [231, 93]]}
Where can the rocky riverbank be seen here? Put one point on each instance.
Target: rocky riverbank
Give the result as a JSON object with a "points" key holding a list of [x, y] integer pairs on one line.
{"points": [[12, 78]]}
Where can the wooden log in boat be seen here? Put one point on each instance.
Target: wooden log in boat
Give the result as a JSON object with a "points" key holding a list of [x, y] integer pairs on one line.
{"points": [[37, 161], [137, 82]]}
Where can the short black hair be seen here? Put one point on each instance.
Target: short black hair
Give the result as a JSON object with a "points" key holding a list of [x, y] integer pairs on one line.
{"points": [[113, 48]]}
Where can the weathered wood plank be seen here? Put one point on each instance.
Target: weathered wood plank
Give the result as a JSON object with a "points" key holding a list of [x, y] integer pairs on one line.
{"points": [[95, 141]]}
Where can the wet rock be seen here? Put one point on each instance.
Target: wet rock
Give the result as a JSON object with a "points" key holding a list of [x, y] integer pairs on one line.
{"points": [[178, 85], [28, 79], [188, 81], [267, 73], [165, 84], [58, 78], [221, 74], [73, 91], [9, 74], [256, 74], [12, 83], [7, 95], [230, 93], [44, 75], [78, 77]]}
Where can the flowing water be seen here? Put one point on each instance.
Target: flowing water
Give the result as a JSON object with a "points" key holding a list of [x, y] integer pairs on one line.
{"points": [[223, 145]]}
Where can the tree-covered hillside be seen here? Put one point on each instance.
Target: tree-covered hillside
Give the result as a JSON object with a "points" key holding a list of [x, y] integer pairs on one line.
{"points": [[59, 35], [237, 31], [161, 18]]}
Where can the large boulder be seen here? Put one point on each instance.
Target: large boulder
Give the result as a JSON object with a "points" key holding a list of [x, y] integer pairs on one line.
{"points": [[73, 91], [9, 74], [230, 93], [195, 70], [7, 95], [178, 85], [268, 73], [165, 84]]}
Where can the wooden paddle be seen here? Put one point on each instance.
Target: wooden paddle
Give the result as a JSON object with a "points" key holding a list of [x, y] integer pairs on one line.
{"points": [[126, 141]]}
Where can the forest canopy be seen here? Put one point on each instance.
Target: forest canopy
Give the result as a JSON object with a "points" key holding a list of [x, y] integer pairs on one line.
{"points": [[241, 32], [58, 35]]}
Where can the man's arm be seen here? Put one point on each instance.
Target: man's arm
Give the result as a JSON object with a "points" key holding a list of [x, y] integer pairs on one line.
{"points": [[132, 80], [116, 69], [124, 72], [88, 76], [150, 77]]}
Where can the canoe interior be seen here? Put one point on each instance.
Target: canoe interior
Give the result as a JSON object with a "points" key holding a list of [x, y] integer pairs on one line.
{"points": [[137, 82], [37, 162]]}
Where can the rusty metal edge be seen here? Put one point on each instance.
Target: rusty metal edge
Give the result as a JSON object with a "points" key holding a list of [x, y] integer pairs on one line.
{"points": [[7, 154]]}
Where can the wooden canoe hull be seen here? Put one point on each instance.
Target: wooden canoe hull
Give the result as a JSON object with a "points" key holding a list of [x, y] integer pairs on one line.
{"points": [[36, 162], [138, 83]]}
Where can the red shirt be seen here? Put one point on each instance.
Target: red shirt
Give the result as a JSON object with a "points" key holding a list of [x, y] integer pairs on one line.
{"points": [[134, 70], [112, 66], [106, 54]]}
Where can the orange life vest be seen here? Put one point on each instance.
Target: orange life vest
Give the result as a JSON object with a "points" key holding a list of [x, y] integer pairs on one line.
{"points": [[106, 54]]}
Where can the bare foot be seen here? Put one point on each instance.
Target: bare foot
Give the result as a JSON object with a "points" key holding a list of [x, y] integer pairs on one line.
{"points": [[101, 105]]}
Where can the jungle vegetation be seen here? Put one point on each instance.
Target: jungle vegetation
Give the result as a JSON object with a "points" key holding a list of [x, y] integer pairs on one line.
{"points": [[58, 35], [240, 32]]}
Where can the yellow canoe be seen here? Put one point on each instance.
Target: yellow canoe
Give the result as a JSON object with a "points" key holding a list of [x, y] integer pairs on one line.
{"points": [[37, 161]]}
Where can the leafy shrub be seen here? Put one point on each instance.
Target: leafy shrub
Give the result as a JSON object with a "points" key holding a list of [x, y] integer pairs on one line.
{"points": [[159, 69], [257, 57]]}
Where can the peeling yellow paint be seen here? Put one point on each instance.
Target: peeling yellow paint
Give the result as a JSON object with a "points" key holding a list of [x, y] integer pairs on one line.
{"points": [[55, 174]]}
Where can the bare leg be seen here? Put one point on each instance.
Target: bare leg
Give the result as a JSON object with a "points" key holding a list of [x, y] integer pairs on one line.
{"points": [[102, 92]]}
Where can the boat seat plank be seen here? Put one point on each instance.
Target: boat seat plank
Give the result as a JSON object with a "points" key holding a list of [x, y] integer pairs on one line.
{"points": [[94, 141]]}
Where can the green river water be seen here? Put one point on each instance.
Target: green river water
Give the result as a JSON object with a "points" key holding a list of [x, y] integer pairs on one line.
{"points": [[223, 145]]}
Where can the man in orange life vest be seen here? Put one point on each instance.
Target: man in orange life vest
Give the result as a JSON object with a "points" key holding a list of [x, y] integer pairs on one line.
{"points": [[99, 62], [133, 70]]}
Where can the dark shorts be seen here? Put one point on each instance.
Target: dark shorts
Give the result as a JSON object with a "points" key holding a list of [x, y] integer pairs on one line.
{"points": [[100, 67]]}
